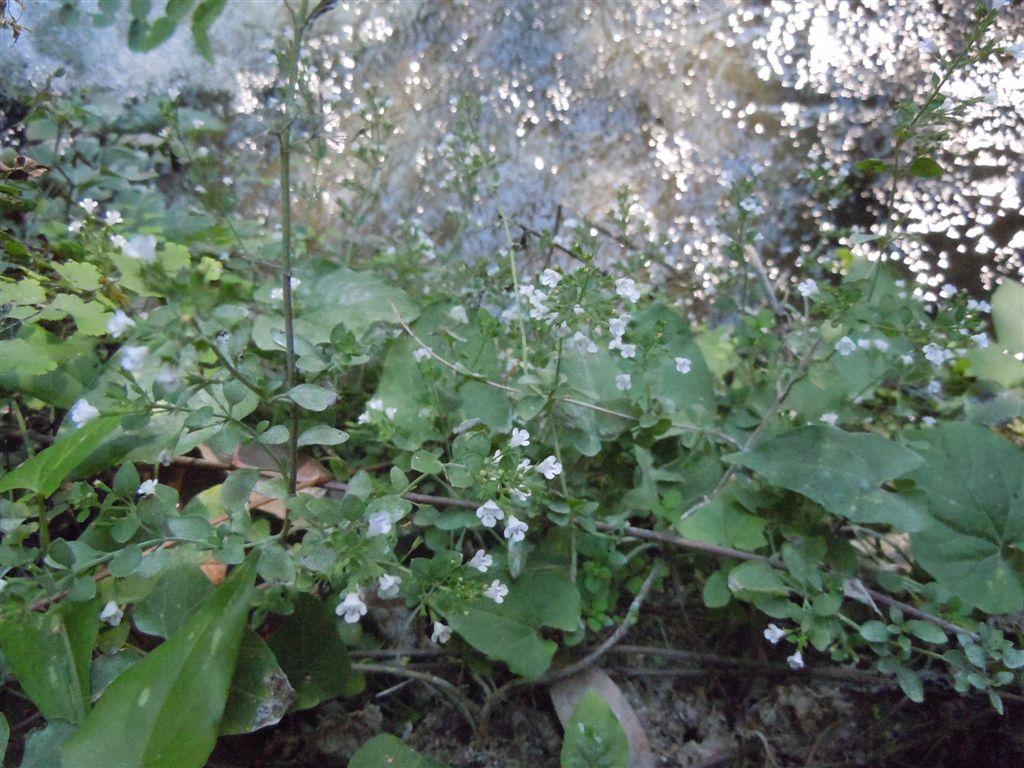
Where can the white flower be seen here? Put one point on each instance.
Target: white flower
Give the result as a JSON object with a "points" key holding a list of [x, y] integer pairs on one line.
{"points": [[583, 343], [796, 661], [110, 218], [684, 364], [198, 123], [830, 418], [934, 388], [808, 288], [550, 278], [550, 468], [223, 339], [75, 226], [773, 634], [490, 513], [978, 306], [520, 437], [421, 354], [935, 354], [907, 359], [752, 205], [89, 206], [169, 378], [623, 381], [112, 613], [364, 418], [617, 325], [1016, 50], [481, 561], [626, 288], [390, 412], [277, 294], [496, 592], [376, 405], [352, 608], [3, 584], [133, 357], [948, 291], [458, 314], [82, 413], [881, 345], [515, 529], [142, 247], [441, 634], [524, 465], [120, 242], [627, 350], [118, 324], [928, 421], [520, 495], [981, 339], [927, 46], [147, 488], [388, 585], [380, 524], [845, 346], [864, 343]]}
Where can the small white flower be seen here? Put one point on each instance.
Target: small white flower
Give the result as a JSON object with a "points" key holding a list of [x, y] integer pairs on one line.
{"points": [[421, 354], [198, 123], [617, 325], [142, 247], [796, 661], [120, 242], [978, 306], [907, 359], [376, 405], [89, 206], [520, 437], [948, 291], [75, 227], [830, 418], [352, 608], [934, 388], [626, 288], [364, 418], [441, 634], [390, 412], [808, 288], [133, 357], [481, 561], [524, 465], [147, 488], [935, 354], [628, 351], [928, 421], [82, 413], [458, 314], [881, 345], [277, 294], [110, 218], [550, 468], [380, 524], [845, 346], [550, 278], [623, 381], [119, 324], [496, 592], [520, 494], [773, 634], [223, 339], [515, 529], [684, 364], [112, 613], [927, 46], [752, 205], [490, 513], [864, 343], [388, 586], [981, 339]]}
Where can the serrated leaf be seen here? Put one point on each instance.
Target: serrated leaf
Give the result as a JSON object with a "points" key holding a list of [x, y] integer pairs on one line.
{"points": [[594, 738], [842, 471], [44, 472], [387, 751], [164, 712]]}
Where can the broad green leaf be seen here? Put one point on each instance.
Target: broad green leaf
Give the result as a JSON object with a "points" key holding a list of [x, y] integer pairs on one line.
{"points": [[312, 397], [997, 362], [21, 357], [972, 483], [510, 632], [716, 592], [924, 168], [756, 576], [90, 316], [84, 277], [875, 631], [403, 388], [312, 655], [322, 435], [873, 165], [182, 588], [44, 472], [426, 463], [926, 631], [356, 299], [387, 751], [260, 693], [722, 522], [591, 379], [910, 683], [594, 738], [42, 748], [165, 711], [842, 471], [51, 653]]}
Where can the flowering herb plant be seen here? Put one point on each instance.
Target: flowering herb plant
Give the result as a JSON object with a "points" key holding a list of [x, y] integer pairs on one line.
{"points": [[512, 463]]}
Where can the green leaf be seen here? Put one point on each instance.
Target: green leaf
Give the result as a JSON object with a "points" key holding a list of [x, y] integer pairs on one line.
{"points": [[90, 316], [355, 299], [997, 362], [83, 276], [25, 358], [182, 588], [716, 591], [178, 9], [873, 165], [312, 397], [510, 632], [756, 576], [722, 522], [972, 483], [926, 631], [51, 653], [594, 738], [387, 751], [924, 168], [164, 712], [842, 471], [322, 435], [203, 16], [312, 655], [43, 473], [260, 693], [5, 735], [875, 631], [910, 683], [426, 463], [161, 31], [42, 748]]}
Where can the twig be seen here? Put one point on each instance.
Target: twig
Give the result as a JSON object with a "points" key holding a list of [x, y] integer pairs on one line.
{"points": [[466, 707]]}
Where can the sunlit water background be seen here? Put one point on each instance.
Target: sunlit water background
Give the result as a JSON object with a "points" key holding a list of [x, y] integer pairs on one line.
{"points": [[675, 99]]}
